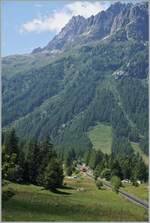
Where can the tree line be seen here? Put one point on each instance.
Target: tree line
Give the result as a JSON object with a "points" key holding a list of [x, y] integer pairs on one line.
{"points": [[123, 165], [39, 165]]}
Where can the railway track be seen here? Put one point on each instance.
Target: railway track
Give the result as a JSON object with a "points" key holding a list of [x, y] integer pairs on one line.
{"points": [[126, 195], [130, 197]]}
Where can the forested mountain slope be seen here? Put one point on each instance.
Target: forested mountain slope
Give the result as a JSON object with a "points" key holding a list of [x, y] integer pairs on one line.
{"points": [[100, 77]]}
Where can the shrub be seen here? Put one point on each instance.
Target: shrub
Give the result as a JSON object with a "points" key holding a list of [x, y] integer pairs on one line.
{"points": [[106, 173], [116, 183], [135, 183], [99, 184], [6, 195], [15, 174], [69, 171]]}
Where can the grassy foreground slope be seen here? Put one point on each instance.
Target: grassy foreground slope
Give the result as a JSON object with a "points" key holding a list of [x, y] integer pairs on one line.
{"points": [[141, 191], [32, 203], [101, 137]]}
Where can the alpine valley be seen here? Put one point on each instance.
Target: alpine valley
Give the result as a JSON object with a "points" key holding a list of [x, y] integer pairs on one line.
{"points": [[94, 72], [75, 122]]}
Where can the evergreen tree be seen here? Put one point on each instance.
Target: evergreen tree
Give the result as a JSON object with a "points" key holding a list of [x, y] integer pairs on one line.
{"points": [[92, 160], [11, 142], [125, 164], [68, 162], [139, 170], [33, 160], [106, 173], [46, 153], [121, 145], [116, 169], [53, 176], [87, 157]]}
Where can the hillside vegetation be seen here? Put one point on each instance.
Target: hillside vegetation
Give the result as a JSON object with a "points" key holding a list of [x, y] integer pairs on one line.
{"points": [[141, 191], [75, 117], [99, 77], [101, 137], [32, 203], [72, 97], [137, 149]]}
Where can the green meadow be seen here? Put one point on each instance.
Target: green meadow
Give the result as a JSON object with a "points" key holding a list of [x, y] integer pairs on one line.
{"points": [[141, 191], [80, 200], [101, 137]]}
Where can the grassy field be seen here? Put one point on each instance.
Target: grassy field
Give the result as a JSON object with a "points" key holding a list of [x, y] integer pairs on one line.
{"points": [[32, 203], [141, 191], [137, 149], [101, 137]]}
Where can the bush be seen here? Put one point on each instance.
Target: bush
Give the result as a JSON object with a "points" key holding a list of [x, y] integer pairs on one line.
{"points": [[99, 184], [135, 183], [15, 174], [116, 183], [76, 171], [96, 173], [69, 171], [6, 195], [106, 173]]}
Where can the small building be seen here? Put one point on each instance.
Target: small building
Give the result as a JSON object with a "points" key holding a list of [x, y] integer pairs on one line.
{"points": [[83, 169], [126, 181], [138, 181]]}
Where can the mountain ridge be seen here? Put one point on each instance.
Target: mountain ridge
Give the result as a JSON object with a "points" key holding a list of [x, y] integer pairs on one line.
{"points": [[66, 93], [117, 16]]}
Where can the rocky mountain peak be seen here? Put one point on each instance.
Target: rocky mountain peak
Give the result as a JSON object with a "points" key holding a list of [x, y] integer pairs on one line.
{"points": [[73, 26], [133, 18], [77, 19], [117, 7]]}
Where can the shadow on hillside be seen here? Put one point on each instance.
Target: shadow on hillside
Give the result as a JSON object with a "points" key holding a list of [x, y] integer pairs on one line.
{"points": [[60, 192], [67, 187]]}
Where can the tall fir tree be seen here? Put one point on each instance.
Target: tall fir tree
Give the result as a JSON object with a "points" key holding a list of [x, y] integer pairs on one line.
{"points": [[33, 161], [11, 142]]}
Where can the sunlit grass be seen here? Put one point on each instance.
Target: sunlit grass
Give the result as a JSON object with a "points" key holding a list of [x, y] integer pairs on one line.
{"points": [[33, 203], [141, 191], [101, 137]]}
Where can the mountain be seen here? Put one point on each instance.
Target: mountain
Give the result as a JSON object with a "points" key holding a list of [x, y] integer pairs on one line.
{"points": [[94, 70], [133, 19]]}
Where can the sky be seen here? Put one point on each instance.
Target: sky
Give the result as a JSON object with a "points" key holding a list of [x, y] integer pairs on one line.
{"points": [[29, 24]]}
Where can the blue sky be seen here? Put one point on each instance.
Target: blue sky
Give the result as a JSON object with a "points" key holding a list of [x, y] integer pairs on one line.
{"points": [[30, 24], [16, 13], [27, 25]]}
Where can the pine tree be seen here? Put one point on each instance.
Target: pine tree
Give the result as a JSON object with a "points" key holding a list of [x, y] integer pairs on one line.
{"points": [[87, 157], [47, 153], [92, 160], [139, 170], [11, 142], [53, 176], [116, 169], [33, 161]]}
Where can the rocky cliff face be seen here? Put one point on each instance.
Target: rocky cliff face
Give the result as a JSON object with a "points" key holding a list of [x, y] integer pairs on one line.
{"points": [[133, 19], [74, 28]]}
